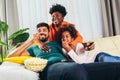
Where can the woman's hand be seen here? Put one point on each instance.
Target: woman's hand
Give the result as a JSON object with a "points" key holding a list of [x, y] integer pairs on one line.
{"points": [[89, 46], [66, 45]]}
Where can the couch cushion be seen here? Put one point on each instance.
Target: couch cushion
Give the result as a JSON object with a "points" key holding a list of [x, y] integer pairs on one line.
{"points": [[14, 71], [110, 45]]}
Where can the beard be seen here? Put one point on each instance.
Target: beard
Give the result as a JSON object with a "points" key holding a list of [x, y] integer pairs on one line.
{"points": [[43, 38]]}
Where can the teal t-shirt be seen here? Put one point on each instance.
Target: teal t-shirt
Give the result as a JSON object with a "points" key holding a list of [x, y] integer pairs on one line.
{"points": [[54, 55]]}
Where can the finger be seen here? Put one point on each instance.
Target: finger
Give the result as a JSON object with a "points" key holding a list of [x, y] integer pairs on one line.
{"points": [[43, 47], [46, 48], [91, 47]]}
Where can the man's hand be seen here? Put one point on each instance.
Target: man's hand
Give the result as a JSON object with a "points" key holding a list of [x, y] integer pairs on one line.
{"points": [[88, 46], [41, 45], [36, 36]]}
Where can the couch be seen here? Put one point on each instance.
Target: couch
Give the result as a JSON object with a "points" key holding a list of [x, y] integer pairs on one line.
{"points": [[110, 45], [13, 71]]}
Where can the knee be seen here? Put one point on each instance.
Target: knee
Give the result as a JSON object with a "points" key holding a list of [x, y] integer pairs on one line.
{"points": [[55, 71], [67, 71], [101, 56]]}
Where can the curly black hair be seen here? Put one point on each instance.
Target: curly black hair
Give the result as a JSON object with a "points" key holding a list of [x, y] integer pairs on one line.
{"points": [[70, 28], [59, 8], [43, 24]]}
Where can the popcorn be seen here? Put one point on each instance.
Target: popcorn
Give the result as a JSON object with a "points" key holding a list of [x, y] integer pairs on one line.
{"points": [[35, 64]]}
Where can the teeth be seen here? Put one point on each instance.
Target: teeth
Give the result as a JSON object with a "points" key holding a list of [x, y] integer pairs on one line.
{"points": [[42, 36], [56, 21]]}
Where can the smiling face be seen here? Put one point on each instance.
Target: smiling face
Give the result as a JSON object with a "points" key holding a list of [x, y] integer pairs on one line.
{"points": [[67, 37], [57, 18], [44, 33]]}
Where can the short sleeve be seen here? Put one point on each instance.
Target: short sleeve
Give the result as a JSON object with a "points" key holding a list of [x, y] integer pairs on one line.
{"points": [[30, 50]]}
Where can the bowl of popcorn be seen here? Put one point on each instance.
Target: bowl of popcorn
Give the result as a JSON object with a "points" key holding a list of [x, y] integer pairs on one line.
{"points": [[35, 64]]}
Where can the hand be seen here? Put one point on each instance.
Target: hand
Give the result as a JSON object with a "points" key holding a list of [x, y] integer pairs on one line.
{"points": [[45, 48], [66, 45], [72, 46], [36, 36], [89, 46]]}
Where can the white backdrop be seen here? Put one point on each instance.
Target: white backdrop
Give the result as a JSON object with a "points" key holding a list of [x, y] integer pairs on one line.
{"points": [[85, 14]]}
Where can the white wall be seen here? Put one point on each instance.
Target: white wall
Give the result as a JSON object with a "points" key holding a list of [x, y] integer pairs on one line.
{"points": [[12, 16], [85, 14], [2, 10], [9, 14]]}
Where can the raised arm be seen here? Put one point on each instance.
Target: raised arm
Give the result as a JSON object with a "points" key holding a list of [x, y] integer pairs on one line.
{"points": [[21, 50]]}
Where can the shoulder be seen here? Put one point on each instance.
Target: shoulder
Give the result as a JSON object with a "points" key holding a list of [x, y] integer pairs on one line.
{"points": [[53, 42], [65, 23], [31, 47]]}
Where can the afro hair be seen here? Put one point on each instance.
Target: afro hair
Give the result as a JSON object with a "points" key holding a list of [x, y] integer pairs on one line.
{"points": [[59, 8]]}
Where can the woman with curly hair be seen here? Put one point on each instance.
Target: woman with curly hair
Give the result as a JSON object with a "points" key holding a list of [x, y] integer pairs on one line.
{"points": [[80, 53], [74, 71]]}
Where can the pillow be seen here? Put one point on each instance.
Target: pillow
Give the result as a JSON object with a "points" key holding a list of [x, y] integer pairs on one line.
{"points": [[18, 59], [35, 64]]}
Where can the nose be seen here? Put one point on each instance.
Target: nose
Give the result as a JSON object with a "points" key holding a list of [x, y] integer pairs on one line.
{"points": [[54, 17], [64, 39]]}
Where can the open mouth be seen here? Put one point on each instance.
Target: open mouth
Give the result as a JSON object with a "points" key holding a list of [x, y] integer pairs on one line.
{"points": [[42, 36], [55, 21]]}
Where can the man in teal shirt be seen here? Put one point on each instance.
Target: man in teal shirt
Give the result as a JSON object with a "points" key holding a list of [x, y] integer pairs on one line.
{"points": [[54, 55], [53, 51]]}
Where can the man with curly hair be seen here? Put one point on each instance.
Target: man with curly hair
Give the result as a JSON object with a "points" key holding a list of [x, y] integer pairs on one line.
{"points": [[58, 12]]}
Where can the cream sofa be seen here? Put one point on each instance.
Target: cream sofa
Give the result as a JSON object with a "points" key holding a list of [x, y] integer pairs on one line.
{"points": [[13, 71], [110, 45]]}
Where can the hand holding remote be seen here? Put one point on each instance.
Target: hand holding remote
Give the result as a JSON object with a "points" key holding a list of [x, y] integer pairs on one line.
{"points": [[89, 46]]}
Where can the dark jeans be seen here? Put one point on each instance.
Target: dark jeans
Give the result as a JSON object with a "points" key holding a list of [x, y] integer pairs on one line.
{"points": [[91, 71], [104, 57]]}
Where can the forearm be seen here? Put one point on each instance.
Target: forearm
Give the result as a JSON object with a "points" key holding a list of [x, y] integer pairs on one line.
{"points": [[74, 56], [21, 49]]}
